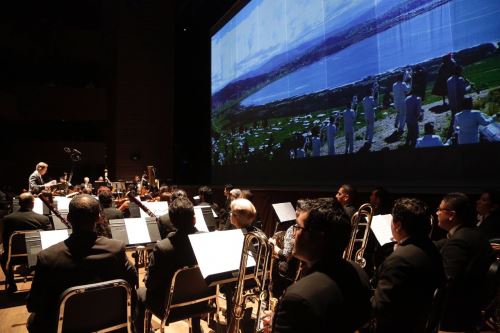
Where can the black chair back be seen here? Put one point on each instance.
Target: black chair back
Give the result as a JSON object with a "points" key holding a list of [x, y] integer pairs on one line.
{"points": [[104, 306], [17, 253], [188, 297]]}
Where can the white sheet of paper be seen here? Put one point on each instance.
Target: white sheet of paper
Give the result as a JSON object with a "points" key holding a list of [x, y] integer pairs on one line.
{"points": [[285, 211], [38, 208], [381, 227], [226, 246], [201, 225], [52, 237], [137, 231], [62, 203], [158, 208]]}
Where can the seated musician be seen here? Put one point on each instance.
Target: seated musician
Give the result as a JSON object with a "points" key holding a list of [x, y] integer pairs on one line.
{"points": [[286, 265], [206, 199], [408, 278], [346, 196], [334, 294], [467, 256], [81, 259], [36, 182], [109, 213], [24, 219], [168, 256]]}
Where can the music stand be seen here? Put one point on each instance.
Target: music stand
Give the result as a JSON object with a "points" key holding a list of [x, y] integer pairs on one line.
{"points": [[118, 186], [135, 231], [286, 215], [98, 184], [226, 246], [39, 240]]}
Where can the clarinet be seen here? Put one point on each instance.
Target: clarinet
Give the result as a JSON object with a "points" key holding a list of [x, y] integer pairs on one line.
{"points": [[54, 210], [131, 196]]}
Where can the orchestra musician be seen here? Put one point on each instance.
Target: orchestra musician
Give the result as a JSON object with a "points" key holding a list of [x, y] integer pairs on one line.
{"points": [[36, 182], [83, 258]]}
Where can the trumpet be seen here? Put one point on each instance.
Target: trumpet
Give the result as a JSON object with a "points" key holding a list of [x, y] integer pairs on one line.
{"points": [[361, 222], [257, 245]]}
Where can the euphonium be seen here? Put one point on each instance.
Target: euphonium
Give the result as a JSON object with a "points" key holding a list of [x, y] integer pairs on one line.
{"points": [[361, 222], [257, 245]]}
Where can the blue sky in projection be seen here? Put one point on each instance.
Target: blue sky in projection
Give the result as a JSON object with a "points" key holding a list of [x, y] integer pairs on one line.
{"points": [[269, 33], [248, 40]]}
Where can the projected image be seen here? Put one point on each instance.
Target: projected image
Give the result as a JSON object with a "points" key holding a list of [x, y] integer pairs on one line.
{"points": [[309, 78]]}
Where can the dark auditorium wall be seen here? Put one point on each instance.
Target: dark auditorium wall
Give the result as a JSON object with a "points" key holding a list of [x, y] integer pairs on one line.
{"points": [[93, 75]]}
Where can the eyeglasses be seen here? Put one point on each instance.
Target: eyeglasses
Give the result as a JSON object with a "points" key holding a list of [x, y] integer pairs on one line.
{"points": [[444, 209], [297, 227]]}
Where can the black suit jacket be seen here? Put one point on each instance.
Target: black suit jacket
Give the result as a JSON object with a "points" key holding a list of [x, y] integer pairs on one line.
{"points": [[35, 182], [168, 256], [406, 283], [165, 226], [466, 258], [333, 297], [81, 259], [23, 220], [490, 227]]}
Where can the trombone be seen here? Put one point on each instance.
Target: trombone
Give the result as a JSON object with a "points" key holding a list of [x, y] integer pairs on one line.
{"points": [[256, 245], [361, 222]]}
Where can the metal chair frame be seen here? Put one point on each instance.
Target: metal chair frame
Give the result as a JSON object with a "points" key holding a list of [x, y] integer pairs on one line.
{"points": [[96, 287], [169, 306]]}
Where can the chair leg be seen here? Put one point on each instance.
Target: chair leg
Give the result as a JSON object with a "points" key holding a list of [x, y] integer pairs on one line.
{"points": [[147, 321]]}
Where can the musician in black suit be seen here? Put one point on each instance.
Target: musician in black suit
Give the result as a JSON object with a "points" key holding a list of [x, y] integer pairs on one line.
{"points": [[24, 219], [35, 181], [168, 256], [81, 259], [408, 278], [466, 256], [346, 196], [165, 225], [109, 212], [488, 209], [334, 294]]}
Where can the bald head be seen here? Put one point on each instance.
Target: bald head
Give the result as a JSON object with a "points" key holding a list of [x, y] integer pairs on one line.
{"points": [[26, 201], [83, 212], [243, 213]]}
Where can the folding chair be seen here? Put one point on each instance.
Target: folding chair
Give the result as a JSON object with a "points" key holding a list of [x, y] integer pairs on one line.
{"points": [[17, 254], [98, 307], [188, 297]]}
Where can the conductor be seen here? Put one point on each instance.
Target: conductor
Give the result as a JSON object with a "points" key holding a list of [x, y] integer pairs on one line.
{"points": [[36, 183]]}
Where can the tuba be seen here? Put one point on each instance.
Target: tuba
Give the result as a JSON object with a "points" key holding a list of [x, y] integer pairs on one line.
{"points": [[256, 245], [361, 222]]}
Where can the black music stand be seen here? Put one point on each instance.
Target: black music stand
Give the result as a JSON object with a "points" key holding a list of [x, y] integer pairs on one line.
{"points": [[119, 231], [226, 246]]}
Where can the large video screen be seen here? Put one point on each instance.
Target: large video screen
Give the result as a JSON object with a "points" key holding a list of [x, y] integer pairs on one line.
{"points": [[316, 79]]}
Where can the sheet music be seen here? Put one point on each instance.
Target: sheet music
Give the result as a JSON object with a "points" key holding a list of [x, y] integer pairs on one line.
{"points": [[137, 231], [213, 211], [381, 227], [285, 211], [51, 237], [62, 203], [38, 208], [158, 208], [226, 246], [201, 225]]}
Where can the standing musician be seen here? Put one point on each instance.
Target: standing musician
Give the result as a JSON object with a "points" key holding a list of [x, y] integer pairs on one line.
{"points": [[36, 183]]}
